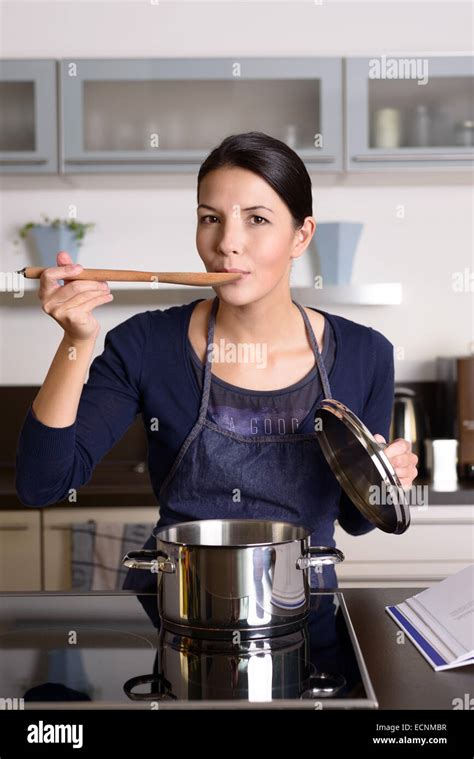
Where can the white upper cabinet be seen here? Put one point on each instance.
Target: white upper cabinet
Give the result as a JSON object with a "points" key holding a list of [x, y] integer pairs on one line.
{"points": [[409, 113], [28, 117], [168, 114]]}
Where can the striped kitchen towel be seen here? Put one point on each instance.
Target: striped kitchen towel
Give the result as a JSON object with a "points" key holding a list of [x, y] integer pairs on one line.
{"points": [[98, 549]]}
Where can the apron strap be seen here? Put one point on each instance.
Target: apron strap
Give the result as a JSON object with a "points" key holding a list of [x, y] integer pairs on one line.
{"points": [[317, 353], [206, 391]]}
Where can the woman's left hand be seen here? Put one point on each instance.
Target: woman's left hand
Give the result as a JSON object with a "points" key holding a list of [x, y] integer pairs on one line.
{"points": [[401, 458]]}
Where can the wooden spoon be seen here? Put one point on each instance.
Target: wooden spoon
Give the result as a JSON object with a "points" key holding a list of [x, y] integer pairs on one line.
{"points": [[198, 279]]}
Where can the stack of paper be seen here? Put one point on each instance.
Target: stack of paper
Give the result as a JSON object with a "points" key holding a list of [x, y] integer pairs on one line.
{"points": [[440, 620]]}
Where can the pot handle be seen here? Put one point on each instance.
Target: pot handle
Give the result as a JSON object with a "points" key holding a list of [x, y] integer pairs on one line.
{"points": [[151, 559], [163, 688], [315, 556]]}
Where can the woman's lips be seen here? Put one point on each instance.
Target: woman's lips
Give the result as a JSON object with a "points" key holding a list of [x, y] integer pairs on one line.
{"points": [[234, 271], [244, 274]]}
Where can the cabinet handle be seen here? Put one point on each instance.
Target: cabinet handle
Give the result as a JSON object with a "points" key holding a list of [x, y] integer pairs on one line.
{"points": [[22, 161], [15, 527], [59, 528], [62, 527], [317, 158], [413, 157]]}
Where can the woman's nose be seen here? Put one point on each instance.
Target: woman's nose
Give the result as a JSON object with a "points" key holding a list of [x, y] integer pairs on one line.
{"points": [[231, 237]]}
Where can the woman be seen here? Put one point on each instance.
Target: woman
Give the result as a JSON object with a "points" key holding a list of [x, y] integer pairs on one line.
{"points": [[227, 387]]}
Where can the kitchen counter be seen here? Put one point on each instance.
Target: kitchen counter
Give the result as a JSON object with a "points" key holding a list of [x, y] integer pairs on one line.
{"points": [[462, 496], [115, 484], [400, 675], [112, 484], [401, 678]]}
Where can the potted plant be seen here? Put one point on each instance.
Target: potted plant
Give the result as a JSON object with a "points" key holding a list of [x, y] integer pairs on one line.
{"points": [[55, 235]]}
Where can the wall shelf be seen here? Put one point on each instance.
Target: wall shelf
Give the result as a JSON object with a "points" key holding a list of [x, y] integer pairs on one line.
{"points": [[371, 294]]}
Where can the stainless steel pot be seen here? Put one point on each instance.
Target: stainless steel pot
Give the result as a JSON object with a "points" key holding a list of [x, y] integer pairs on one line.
{"points": [[232, 577]]}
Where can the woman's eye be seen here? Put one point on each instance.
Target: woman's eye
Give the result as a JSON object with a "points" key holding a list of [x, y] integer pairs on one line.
{"points": [[209, 219], [209, 216]]}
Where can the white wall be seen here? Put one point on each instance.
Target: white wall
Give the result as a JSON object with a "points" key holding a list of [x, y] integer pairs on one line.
{"points": [[148, 221]]}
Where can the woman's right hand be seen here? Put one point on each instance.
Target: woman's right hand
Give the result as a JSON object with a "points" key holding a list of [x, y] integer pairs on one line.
{"points": [[71, 304]]}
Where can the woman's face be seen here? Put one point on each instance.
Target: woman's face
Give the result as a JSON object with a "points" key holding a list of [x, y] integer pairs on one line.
{"points": [[243, 224]]}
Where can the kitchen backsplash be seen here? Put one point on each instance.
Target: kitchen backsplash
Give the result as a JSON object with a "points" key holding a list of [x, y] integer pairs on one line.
{"points": [[14, 402]]}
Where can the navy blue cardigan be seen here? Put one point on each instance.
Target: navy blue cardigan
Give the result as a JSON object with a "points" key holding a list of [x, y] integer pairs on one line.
{"points": [[146, 368]]}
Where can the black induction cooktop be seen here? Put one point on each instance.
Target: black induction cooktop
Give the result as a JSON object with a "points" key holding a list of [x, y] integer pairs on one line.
{"points": [[107, 650]]}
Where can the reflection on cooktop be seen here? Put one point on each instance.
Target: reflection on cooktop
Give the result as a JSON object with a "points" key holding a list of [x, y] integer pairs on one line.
{"points": [[91, 650]]}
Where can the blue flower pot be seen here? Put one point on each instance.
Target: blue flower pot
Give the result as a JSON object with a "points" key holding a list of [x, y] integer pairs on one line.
{"points": [[48, 241], [335, 244]]}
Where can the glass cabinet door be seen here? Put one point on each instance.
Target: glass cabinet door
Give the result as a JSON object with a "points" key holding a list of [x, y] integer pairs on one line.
{"points": [[167, 114], [28, 117], [409, 112]]}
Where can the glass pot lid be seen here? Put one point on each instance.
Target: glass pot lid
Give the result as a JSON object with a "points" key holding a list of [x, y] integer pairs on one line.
{"points": [[361, 467]]}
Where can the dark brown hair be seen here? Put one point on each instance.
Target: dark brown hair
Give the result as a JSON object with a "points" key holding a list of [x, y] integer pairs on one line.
{"points": [[272, 160]]}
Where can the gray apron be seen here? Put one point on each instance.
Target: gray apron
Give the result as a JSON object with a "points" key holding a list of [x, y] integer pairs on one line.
{"points": [[219, 474]]}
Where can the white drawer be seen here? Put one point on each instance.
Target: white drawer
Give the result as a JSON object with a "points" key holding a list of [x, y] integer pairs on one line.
{"points": [[20, 550], [438, 543]]}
